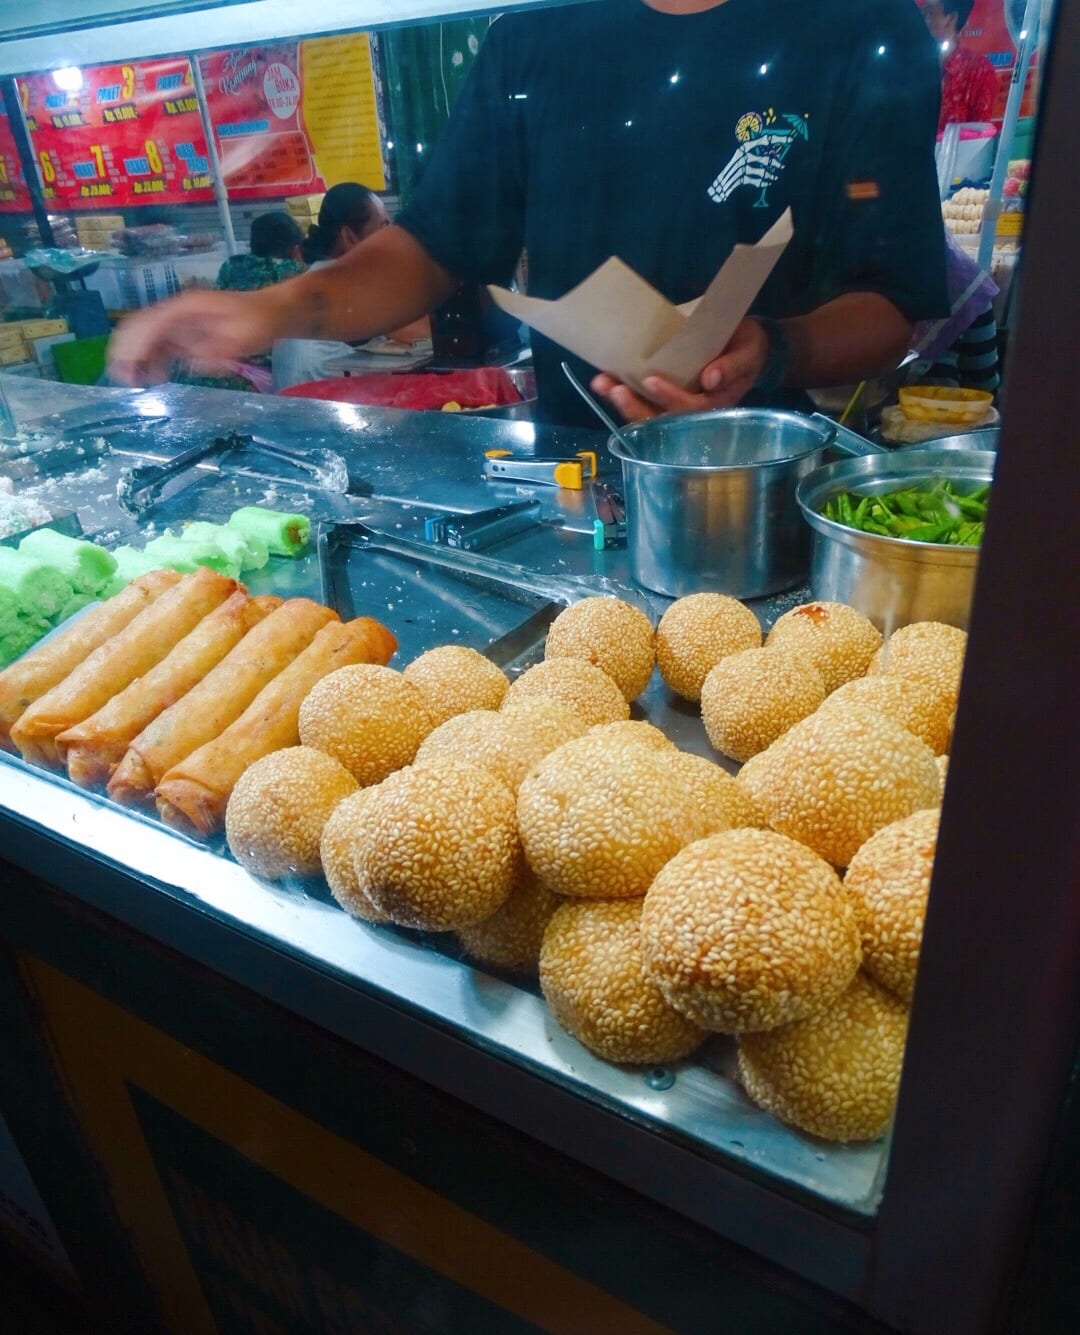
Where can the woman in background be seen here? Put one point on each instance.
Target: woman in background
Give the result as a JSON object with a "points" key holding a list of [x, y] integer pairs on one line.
{"points": [[275, 253]]}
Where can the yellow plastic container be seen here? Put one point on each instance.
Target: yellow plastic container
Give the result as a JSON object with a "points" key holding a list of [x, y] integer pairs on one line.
{"points": [[943, 403]]}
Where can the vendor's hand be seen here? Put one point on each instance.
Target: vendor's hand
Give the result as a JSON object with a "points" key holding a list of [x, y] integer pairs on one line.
{"points": [[203, 329], [725, 381]]}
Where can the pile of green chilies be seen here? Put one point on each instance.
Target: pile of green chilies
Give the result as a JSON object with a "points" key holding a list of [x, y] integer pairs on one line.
{"points": [[932, 512]]}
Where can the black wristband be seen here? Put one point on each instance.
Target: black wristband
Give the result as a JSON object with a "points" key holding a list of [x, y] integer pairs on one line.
{"points": [[776, 359]]}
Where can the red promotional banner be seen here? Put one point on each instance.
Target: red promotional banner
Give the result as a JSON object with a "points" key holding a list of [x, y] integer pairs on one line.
{"points": [[126, 134], [14, 196]]}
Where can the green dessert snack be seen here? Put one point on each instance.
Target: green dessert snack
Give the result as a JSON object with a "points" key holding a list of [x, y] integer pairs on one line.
{"points": [[176, 553], [16, 637], [86, 567], [39, 588], [244, 553], [75, 604], [131, 562], [283, 534]]}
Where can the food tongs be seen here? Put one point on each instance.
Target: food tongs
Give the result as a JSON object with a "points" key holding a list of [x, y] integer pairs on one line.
{"points": [[139, 488]]}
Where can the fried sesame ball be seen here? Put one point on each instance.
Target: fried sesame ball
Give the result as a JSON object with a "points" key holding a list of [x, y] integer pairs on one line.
{"points": [[752, 697], [751, 781], [835, 1074], [633, 732], [592, 977], [837, 639], [586, 689], [456, 679], [343, 831], [441, 850], [610, 634], [927, 649], [943, 771], [599, 822], [277, 811], [711, 788], [696, 632], [508, 744], [890, 880], [369, 717], [749, 930], [909, 701], [838, 778], [511, 937]]}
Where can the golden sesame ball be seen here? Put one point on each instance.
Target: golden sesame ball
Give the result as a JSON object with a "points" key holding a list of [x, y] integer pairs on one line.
{"points": [[277, 811], [441, 850], [943, 771], [343, 831], [838, 640], [633, 732], [890, 880], [752, 697], [751, 780], [909, 701], [696, 632], [599, 822], [711, 789], [749, 930], [835, 1074], [610, 634], [508, 744], [368, 717], [927, 649], [511, 937], [586, 689], [592, 977], [456, 679], [838, 778]]}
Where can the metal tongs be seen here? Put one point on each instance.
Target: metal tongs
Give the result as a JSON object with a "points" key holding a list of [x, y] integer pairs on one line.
{"points": [[572, 473], [140, 487]]}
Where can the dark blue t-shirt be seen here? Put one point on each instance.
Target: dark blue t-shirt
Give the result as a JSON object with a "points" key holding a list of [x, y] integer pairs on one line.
{"points": [[613, 129]]}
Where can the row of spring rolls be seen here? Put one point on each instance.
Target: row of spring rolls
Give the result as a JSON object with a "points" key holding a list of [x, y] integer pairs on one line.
{"points": [[171, 689]]}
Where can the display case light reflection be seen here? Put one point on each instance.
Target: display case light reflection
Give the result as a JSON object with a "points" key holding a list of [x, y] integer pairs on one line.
{"points": [[68, 79]]}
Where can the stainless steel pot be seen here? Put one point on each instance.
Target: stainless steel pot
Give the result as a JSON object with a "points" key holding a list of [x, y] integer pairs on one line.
{"points": [[891, 580], [710, 498]]}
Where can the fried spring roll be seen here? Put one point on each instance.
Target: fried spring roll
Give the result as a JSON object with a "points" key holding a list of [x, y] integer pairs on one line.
{"points": [[142, 643], [43, 668], [194, 794], [222, 696], [93, 748]]}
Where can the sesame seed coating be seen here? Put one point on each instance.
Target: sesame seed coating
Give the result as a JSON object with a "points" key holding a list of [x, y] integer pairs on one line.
{"points": [[585, 688], [509, 744], [599, 822], [696, 632], [839, 778], [836, 1074], [277, 811], [909, 701], [592, 978], [943, 771], [889, 878], [712, 788], [927, 649], [455, 679], [441, 850], [633, 732], [610, 634], [511, 937], [368, 717], [752, 697], [341, 834], [749, 930], [837, 639]]}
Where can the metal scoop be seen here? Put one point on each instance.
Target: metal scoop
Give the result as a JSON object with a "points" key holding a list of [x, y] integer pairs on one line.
{"points": [[600, 411]]}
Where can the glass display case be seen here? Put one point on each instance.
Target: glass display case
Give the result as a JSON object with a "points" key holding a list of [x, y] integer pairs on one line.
{"points": [[187, 1040]]}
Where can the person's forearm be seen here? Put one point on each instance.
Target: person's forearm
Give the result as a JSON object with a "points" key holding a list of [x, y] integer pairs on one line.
{"points": [[853, 337], [380, 285]]}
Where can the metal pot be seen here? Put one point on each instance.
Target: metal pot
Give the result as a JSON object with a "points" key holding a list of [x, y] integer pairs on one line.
{"points": [[891, 580], [710, 498]]}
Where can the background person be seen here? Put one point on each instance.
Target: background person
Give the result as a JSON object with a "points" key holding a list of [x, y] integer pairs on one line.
{"points": [[663, 131], [274, 254], [969, 86]]}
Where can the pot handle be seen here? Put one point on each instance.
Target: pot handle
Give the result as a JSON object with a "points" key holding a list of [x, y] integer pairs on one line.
{"points": [[844, 439]]}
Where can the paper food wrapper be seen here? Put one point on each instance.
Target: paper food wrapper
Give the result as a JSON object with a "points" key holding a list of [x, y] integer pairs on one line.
{"points": [[615, 320]]}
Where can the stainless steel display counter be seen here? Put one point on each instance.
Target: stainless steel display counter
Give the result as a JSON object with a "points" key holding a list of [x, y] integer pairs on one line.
{"points": [[684, 1135]]}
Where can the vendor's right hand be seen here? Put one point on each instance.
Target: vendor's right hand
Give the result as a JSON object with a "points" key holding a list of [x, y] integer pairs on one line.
{"points": [[203, 329]]}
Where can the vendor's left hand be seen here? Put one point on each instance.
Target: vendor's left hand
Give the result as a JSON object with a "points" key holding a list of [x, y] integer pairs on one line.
{"points": [[725, 381]]}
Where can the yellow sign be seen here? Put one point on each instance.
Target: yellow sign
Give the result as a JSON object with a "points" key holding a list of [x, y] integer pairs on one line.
{"points": [[340, 110]]}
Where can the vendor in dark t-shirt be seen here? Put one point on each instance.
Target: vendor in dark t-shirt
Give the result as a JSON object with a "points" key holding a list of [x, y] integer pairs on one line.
{"points": [[664, 132]]}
